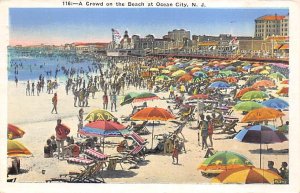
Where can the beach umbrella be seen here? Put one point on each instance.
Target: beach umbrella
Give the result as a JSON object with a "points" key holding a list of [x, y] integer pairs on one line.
{"points": [[153, 114], [145, 96], [17, 149], [231, 79], [245, 63], [277, 75], [254, 95], [154, 70], [219, 84], [247, 67], [14, 131], [247, 175], [165, 71], [257, 65], [178, 73], [162, 78], [198, 96], [247, 106], [264, 72], [230, 68], [128, 98], [260, 134], [190, 68], [284, 91], [172, 68], [243, 91], [99, 114], [285, 82], [264, 83], [182, 65], [195, 69], [185, 78], [262, 114], [200, 74], [223, 161], [276, 103], [104, 129], [226, 72]]}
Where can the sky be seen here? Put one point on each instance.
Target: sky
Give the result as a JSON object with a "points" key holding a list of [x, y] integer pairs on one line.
{"points": [[32, 26]]}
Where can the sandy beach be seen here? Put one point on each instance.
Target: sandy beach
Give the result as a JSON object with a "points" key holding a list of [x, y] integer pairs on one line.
{"points": [[32, 114]]}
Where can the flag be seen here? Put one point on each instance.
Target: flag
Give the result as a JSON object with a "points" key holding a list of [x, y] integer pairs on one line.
{"points": [[116, 36]]}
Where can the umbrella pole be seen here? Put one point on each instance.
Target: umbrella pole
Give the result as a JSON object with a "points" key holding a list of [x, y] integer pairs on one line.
{"points": [[152, 135], [260, 153], [103, 145]]}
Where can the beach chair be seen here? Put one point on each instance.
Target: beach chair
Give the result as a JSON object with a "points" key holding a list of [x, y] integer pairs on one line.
{"points": [[135, 155], [141, 129], [90, 174], [136, 138], [188, 115], [12, 180], [229, 128]]}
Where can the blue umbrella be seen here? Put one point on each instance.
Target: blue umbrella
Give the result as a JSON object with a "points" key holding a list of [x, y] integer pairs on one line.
{"points": [[247, 67], [230, 68], [200, 74], [219, 84], [260, 134], [182, 65], [276, 103]]}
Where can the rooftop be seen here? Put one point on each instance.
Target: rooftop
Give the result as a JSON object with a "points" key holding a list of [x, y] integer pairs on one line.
{"points": [[271, 17]]}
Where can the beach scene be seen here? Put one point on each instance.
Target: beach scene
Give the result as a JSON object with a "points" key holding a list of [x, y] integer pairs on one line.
{"points": [[151, 96]]}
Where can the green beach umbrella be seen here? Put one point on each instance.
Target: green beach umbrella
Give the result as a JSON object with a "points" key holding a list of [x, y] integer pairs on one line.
{"points": [[254, 95], [247, 106], [223, 161], [128, 98], [162, 78], [277, 75]]}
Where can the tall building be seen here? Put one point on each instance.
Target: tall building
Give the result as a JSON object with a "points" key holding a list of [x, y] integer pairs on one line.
{"points": [[179, 35], [269, 25]]}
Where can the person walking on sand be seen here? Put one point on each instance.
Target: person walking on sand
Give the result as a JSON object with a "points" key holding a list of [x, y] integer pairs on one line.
{"points": [[175, 151], [61, 135], [113, 101], [54, 103], [105, 101], [203, 131], [210, 129]]}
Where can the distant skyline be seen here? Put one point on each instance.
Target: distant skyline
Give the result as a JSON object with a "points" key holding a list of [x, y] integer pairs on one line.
{"points": [[32, 26]]}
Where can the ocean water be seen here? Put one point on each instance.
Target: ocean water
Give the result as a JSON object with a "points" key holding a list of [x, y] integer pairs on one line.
{"points": [[33, 67]]}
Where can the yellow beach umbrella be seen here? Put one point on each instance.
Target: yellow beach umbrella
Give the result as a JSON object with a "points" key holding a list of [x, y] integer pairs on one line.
{"points": [[178, 73], [17, 149], [154, 69]]}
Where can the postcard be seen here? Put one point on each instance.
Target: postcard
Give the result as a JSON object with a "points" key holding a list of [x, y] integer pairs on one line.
{"points": [[176, 96]]}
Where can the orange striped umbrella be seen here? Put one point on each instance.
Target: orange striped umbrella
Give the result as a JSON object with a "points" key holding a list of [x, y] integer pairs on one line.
{"points": [[247, 175], [262, 114], [153, 114]]}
